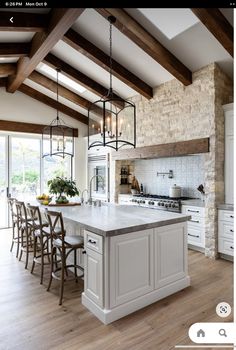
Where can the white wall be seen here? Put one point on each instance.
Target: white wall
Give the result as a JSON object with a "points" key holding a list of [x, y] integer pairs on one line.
{"points": [[21, 108]]}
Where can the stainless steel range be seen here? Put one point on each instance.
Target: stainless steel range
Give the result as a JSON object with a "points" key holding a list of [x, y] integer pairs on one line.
{"points": [[158, 202]]}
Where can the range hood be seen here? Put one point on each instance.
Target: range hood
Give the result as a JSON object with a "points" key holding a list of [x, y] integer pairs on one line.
{"points": [[181, 148]]}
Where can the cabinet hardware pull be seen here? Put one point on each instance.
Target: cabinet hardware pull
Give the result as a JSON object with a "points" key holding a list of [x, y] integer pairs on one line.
{"points": [[189, 234], [231, 247], [193, 211], [232, 216], [92, 242], [194, 221], [231, 230], [84, 252]]}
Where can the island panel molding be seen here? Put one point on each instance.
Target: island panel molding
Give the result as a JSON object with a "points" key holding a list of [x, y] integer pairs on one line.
{"points": [[180, 148], [6, 125]]}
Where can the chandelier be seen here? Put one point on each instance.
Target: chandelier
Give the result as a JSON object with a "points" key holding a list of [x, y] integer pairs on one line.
{"points": [[58, 138], [112, 119]]}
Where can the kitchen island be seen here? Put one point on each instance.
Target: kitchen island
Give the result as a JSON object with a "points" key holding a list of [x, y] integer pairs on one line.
{"points": [[133, 257]]}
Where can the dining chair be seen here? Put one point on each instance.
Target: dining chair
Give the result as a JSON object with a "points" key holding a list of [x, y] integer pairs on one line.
{"points": [[62, 245], [15, 231]]}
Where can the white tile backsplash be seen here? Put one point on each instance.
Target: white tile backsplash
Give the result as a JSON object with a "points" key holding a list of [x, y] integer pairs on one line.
{"points": [[188, 173]]}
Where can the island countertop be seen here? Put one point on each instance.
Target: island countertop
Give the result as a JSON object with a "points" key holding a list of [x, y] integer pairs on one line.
{"points": [[112, 220]]}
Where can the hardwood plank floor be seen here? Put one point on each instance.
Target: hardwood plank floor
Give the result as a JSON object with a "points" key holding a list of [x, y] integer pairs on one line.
{"points": [[30, 318]]}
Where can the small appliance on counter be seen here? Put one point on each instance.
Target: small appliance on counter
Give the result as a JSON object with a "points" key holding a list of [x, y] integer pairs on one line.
{"points": [[175, 191]]}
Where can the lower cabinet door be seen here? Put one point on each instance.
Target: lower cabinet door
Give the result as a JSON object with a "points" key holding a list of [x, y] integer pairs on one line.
{"points": [[93, 282], [131, 266], [170, 254]]}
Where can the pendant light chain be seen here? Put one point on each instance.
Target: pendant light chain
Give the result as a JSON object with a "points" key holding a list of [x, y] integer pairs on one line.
{"points": [[57, 94], [110, 57]]}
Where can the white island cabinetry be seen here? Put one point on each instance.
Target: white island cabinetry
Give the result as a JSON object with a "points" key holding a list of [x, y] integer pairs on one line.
{"points": [[134, 270]]}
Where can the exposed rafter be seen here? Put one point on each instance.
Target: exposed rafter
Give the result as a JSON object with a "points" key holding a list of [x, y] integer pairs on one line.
{"points": [[60, 21], [7, 69], [88, 49], [53, 103], [76, 75], [62, 91], [141, 37], [218, 25], [23, 22], [14, 49]]}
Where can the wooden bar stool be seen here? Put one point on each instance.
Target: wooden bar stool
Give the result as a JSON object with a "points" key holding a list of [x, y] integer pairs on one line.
{"points": [[15, 230], [64, 245], [41, 236], [26, 241]]}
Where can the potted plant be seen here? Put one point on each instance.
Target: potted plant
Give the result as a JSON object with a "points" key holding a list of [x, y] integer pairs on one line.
{"points": [[62, 187]]}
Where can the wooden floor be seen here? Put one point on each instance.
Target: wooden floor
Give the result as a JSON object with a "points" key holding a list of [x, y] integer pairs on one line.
{"points": [[30, 318]]}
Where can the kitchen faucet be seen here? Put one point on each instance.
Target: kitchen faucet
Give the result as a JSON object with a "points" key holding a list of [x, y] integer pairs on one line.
{"points": [[90, 186], [82, 195]]}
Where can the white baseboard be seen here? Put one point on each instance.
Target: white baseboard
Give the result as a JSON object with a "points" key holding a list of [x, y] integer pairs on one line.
{"points": [[111, 315]]}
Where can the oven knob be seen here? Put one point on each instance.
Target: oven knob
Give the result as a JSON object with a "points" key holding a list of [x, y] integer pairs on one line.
{"points": [[149, 202], [159, 203], [143, 202], [173, 205], [169, 205], [153, 203], [166, 205], [162, 204]]}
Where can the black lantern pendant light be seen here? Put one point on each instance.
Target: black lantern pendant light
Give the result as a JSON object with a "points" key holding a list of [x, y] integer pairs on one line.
{"points": [[58, 139], [115, 126]]}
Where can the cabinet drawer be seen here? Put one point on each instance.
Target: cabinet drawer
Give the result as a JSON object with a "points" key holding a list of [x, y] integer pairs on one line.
{"points": [[93, 241], [196, 221], [226, 215], [195, 236], [196, 211], [226, 246], [226, 229]]}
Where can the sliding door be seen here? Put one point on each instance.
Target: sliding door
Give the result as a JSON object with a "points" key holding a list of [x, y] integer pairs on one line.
{"points": [[3, 181], [25, 164]]}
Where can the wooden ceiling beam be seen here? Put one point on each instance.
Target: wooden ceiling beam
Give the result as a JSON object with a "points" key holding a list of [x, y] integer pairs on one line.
{"points": [[77, 76], [148, 43], [32, 128], [14, 49], [53, 103], [91, 51], [42, 42], [7, 69], [217, 24], [23, 22], [62, 91]]}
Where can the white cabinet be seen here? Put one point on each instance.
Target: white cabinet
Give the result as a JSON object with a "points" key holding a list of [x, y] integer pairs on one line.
{"points": [[229, 153], [196, 225], [127, 272], [170, 254], [226, 232], [93, 275], [131, 268]]}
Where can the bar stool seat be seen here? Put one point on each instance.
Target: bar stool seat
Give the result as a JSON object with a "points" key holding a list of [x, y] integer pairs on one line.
{"points": [[70, 242]]}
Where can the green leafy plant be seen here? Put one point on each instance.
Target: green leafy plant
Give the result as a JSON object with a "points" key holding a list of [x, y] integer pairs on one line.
{"points": [[62, 187]]}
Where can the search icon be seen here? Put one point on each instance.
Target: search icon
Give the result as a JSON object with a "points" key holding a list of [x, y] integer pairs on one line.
{"points": [[222, 332]]}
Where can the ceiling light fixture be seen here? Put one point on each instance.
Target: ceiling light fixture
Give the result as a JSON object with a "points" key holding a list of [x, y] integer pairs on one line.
{"points": [[58, 138], [117, 127]]}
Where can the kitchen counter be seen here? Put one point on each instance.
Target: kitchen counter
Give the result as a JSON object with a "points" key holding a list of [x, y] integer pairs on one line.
{"points": [[193, 202], [112, 220], [226, 207]]}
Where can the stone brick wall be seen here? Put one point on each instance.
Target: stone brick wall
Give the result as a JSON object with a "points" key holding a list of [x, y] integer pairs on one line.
{"points": [[177, 113]]}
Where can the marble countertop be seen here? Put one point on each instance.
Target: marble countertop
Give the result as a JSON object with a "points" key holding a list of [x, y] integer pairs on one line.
{"points": [[112, 220], [224, 206], [193, 202]]}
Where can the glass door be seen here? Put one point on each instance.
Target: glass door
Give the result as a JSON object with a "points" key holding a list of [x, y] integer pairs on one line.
{"points": [[3, 181], [25, 164]]}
